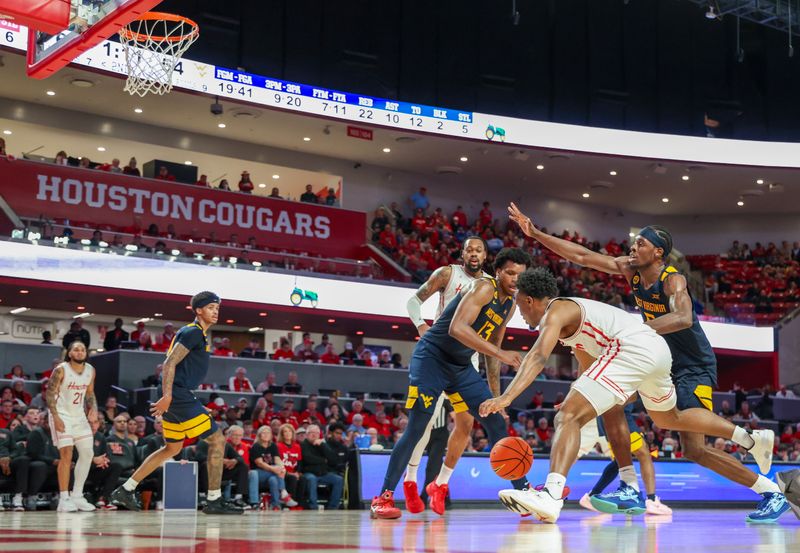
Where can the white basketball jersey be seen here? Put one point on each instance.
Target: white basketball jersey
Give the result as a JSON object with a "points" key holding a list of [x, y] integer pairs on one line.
{"points": [[603, 326], [459, 280], [72, 392]]}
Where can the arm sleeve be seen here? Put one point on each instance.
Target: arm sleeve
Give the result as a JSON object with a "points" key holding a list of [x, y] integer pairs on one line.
{"points": [[414, 308]]}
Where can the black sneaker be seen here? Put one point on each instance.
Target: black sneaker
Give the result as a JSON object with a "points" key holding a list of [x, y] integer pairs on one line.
{"points": [[124, 498], [221, 507], [241, 503]]}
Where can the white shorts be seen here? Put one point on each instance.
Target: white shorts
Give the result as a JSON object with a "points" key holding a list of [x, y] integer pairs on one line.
{"points": [[590, 437], [640, 363], [75, 430]]}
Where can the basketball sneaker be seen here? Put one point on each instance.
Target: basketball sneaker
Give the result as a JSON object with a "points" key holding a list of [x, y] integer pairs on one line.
{"points": [[586, 503], [123, 498], [383, 506], [414, 503], [81, 503], [66, 505], [762, 449], [221, 506], [655, 507], [289, 501], [437, 495], [539, 503], [769, 509], [623, 500]]}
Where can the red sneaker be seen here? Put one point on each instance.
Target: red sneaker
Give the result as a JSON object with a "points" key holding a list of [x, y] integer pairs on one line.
{"points": [[437, 495], [383, 506], [413, 502]]}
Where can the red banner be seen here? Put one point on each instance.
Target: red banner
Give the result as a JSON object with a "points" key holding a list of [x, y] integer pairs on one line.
{"points": [[34, 189]]}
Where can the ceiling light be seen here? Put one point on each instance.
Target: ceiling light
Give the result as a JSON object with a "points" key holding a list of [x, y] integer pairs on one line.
{"points": [[395, 327], [387, 150], [276, 177], [306, 139], [760, 181], [612, 173], [262, 314], [158, 314], [187, 162], [631, 234], [525, 348], [740, 203], [359, 333], [101, 149], [510, 338], [711, 14], [464, 159], [296, 327], [24, 291], [7, 132], [80, 308], [256, 264], [51, 93], [110, 300], [221, 125], [331, 321], [685, 177], [262, 185], [254, 329], [665, 200], [540, 167], [142, 320], [229, 321], [19, 310], [82, 315], [585, 194], [138, 110]]}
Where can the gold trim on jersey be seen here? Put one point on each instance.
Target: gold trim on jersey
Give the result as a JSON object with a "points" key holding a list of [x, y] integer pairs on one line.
{"points": [[413, 395], [703, 393], [458, 403]]}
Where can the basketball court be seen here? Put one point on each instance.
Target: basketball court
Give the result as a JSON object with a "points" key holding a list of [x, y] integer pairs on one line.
{"points": [[347, 531]]}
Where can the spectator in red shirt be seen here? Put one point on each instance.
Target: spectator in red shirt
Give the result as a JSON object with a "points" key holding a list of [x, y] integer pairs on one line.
{"points": [[235, 435], [366, 357], [7, 413], [307, 353], [224, 348], [203, 181], [239, 382], [262, 415], [165, 339], [18, 386], [284, 351], [141, 336], [329, 356], [245, 184], [16, 372], [383, 425], [287, 414], [387, 239], [291, 455], [131, 169], [311, 415], [485, 216], [357, 408], [542, 430], [418, 222], [163, 174], [459, 217]]}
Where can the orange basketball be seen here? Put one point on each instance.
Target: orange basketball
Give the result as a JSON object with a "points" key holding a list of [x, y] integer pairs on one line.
{"points": [[511, 458]]}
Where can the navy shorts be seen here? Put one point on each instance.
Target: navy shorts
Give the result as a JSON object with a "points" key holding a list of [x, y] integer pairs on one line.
{"points": [[632, 426], [187, 418], [430, 374], [694, 390]]}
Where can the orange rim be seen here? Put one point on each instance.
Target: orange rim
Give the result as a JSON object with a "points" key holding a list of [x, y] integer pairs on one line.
{"points": [[127, 33]]}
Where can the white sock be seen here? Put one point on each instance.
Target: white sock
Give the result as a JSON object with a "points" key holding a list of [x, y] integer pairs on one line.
{"points": [[743, 438], [284, 494], [239, 496], [628, 475], [444, 475], [64, 495], [213, 495], [17, 499], [411, 473], [765, 485], [130, 484], [555, 484]]}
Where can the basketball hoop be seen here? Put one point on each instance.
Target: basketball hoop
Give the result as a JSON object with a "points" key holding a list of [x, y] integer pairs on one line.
{"points": [[154, 44]]}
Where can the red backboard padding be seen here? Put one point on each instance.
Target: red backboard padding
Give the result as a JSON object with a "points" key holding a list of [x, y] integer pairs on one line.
{"points": [[49, 16]]}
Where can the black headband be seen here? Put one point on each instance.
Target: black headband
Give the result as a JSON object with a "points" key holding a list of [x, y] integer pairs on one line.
{"points": [[653, 237], [200, 303]]}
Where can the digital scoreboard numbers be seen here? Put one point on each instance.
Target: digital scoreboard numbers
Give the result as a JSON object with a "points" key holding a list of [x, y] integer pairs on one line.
{"points": [[341, 105]]}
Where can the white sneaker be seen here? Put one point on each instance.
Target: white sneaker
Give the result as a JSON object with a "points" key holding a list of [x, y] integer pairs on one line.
{"points": [[655, 507], [66, 505], [538, 503], [81, 503], [586, 503], [762, 449]]}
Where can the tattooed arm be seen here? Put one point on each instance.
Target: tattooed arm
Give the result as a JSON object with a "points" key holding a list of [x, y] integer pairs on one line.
{"points": [[53, 386], [91, 401], [175, 356], [435, 283]]}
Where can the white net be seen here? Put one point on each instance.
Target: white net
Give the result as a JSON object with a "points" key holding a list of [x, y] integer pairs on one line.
{"points": [[153, 47]]}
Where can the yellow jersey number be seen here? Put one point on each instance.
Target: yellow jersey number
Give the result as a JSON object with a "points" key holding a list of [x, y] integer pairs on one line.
{"points": [[648, 316], [486, 330]]}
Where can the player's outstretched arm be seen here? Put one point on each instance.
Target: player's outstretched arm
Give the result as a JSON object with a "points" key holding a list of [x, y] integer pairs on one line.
{"points": [[175, 356], [435, 283], [549, 331], [680, 306], [478, 295], [492, 363], [570, 250]]}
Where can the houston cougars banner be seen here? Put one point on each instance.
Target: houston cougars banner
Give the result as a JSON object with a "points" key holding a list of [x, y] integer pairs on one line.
{"points": [[33, 189]]}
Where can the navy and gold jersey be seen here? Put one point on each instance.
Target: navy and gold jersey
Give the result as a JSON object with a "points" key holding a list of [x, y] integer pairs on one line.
{"points": [[691, 350], [192, 370], [490, 318]]}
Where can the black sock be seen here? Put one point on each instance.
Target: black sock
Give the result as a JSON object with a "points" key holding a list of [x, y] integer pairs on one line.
{"points": [[651, 496], [609, 474]]}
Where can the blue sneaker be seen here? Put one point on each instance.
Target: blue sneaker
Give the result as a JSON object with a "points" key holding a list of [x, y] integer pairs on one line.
{"points": [[769, 509], [624, 500]]}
